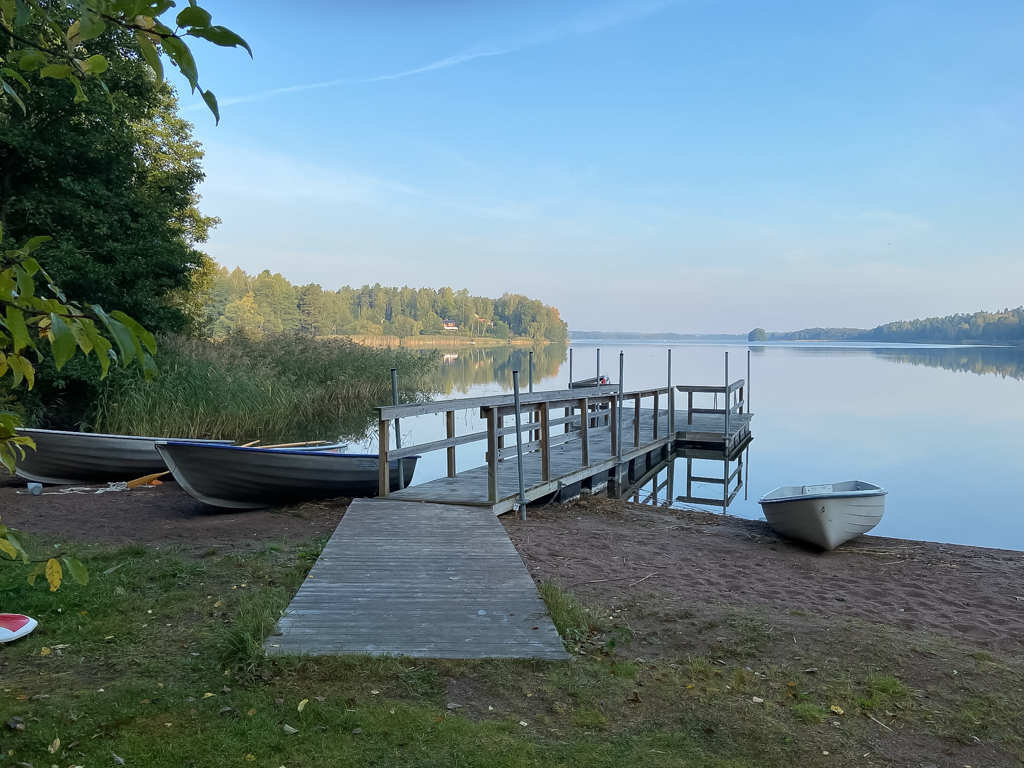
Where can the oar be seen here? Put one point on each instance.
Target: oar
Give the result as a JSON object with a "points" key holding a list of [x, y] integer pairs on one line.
{"points": [[146, 480], [247, 445]]}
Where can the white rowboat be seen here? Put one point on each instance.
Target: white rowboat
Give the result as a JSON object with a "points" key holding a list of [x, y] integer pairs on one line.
{"points": [[826, 515], [67, 458]]}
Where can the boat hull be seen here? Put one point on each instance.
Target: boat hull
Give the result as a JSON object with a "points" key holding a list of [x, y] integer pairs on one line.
{"points": [[827, 519], [250, 478], [66, 458]]}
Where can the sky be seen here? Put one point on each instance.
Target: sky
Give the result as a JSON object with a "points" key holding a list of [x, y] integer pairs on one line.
{"points": [[694, 166]]}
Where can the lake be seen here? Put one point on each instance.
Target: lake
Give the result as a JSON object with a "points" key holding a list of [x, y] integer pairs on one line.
{"points": [[940, 428]]}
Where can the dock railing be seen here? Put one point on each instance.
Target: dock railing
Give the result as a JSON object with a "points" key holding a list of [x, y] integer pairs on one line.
{"points": [[550, 419], [733, 401]]}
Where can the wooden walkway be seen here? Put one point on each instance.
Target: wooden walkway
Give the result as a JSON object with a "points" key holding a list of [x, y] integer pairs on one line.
{"points": [[470, 486], [421, 580]]}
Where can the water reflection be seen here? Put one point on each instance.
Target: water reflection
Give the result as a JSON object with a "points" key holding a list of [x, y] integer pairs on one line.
{"points": [[466, 367], [999, 361]]}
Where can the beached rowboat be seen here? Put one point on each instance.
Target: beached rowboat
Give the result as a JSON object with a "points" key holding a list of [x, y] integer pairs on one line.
{"points": [[252, 478], [66, 458], [826, 515]]}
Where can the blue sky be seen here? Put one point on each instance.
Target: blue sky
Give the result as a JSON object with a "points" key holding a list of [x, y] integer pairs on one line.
{"points": [[641, 164]]}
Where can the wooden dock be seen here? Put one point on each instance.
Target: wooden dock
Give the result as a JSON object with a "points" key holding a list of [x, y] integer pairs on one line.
{"points": [[568, 477], [421, 580]]}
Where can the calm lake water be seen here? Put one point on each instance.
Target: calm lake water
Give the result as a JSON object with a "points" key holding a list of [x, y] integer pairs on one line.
{"points": [[940, 428]]}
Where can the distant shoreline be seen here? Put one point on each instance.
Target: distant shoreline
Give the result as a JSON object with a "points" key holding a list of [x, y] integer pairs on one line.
{"points": [[436, 342]]}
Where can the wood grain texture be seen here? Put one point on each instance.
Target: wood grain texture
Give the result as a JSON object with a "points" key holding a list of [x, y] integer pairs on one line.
{"points": [[423, 580]]}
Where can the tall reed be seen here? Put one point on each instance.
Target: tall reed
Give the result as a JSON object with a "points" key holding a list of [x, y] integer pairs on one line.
{"points": [[277, 388]]}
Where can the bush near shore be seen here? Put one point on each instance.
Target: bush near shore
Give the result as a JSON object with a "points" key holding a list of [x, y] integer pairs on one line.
{"points": [[275, 388]]}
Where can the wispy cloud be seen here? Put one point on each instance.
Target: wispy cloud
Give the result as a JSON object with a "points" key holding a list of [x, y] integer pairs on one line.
{"points": [[609, 14]]}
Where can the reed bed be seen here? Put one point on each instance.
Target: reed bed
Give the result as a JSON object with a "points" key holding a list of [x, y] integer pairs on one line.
{"points": [[277, 388]]}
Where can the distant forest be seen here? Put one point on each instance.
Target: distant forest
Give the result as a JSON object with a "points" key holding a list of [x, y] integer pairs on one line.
{"points": [[270, 303], [1006, 327]]}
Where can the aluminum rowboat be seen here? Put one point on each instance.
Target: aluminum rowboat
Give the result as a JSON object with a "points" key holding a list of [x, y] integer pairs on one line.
{"points": [[66, 458], [251, 478], [826, 515]]}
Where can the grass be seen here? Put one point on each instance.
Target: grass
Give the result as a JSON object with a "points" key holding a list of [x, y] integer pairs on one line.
{"points": [[158, 661], [274, 388]]}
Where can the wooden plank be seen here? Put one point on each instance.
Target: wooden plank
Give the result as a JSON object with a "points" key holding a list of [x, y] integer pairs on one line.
{"points": [[489, 401], [545, 444], [584, 431], [437, 445], [447, 584], [492, 455]]}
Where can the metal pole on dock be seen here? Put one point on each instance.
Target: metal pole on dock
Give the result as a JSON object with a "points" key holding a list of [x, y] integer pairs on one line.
{"points": [[598, 367], [531, 371], [728, 399], [570, 367], [671, 406], [519, 446], [747, 392], [618, 455], [398, 430]]}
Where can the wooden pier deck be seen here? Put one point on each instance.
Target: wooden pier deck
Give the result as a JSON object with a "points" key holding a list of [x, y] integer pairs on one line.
{"points": [[421, 580], [470, 487]]}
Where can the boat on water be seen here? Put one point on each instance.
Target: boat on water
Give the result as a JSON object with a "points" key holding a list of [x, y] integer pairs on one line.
{"points": [[240, 477], [826, 515], [593, 381], [66, 458]]}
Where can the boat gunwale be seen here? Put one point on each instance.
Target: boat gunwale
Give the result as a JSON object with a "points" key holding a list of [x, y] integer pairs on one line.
{"points": [[280, 451], [198, 440], [874, 490]]}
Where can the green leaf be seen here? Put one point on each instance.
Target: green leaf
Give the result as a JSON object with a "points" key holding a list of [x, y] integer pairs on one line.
{"points": [[24, 15], [97, 64], [76, 569], [57, 71], [145, 336], [194, 16], [11, 73], [211, 102], [17, 546], [8, 549], [178, 52], [3, 364], [63, 344], [150, 54], [15, 323], [14, 95], [91, 25], [221, 36], [35, 242], [39, 570], [30, 265], [32, 61], [149, 368], [125, 341], [79, 93], [22, 369], [26, 285]]}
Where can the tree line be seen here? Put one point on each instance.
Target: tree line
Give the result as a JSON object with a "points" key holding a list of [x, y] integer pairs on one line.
{"points": [[270, 303], [978, 327]]}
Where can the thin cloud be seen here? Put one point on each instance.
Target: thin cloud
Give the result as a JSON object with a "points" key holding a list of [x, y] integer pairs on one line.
{"points": [[601, 17]]}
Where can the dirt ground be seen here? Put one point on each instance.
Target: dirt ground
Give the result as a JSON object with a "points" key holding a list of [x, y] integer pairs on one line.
{"points": [[158, 515]]}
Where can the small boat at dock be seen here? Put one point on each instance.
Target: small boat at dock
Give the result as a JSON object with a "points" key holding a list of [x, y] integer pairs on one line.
{"points": [[238, 477], [67, 458], [825, 515], [593, 381]]}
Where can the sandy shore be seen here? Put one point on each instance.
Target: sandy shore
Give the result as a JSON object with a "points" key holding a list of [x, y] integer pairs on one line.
{"points": [[601, 549]]}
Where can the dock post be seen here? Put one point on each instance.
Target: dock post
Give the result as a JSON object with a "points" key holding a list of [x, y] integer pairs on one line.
{"points": [[398, 428], [598, 367], [748, 383], [519, 446], [545, 443], [492, 454], [622, 363], [585, 431], [531, 371], [570, 367], [449, 423], [671, 405], [728, 399], [383, 473]]}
